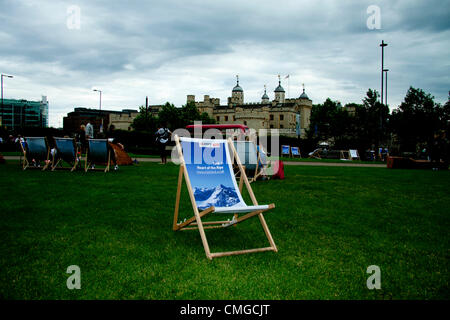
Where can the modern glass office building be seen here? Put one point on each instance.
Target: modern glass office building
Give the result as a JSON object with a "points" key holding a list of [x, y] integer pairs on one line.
{"points": [[16, 114]]}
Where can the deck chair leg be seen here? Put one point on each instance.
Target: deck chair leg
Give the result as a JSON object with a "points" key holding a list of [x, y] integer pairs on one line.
{"points": [[194, 207], [203, 235], [109, 161], [177, 200], [86, 164], [47, 161], [267, 232], [55, 165], [25, 162]]}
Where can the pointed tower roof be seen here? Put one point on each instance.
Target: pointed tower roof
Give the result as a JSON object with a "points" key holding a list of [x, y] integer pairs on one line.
{"points": [[237, 87], [304, 95], [265, 96], [279, 88]]}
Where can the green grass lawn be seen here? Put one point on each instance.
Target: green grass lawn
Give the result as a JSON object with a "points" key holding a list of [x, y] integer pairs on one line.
{"points": [[330, 224]]}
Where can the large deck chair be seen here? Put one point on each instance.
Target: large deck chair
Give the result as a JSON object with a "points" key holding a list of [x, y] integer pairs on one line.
{"points": [[206, 166], [286, 150], [250, 158], [66, 150], [98, 153], [35, 148]]}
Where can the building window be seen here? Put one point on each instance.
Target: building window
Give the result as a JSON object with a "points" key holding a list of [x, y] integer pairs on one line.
{"points": [[226, 118], [234, 118], [218, 118], [281, 126], [271, 117], [245, 122], [281, 117], [271, 126]]}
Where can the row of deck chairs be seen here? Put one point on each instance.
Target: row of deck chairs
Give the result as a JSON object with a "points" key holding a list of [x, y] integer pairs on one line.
{"points": [[289, 151], [37, 154], [210, 180]]}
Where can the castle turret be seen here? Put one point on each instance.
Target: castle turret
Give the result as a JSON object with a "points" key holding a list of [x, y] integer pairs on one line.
{"points": [[279, 92], [265, 97], [237, 94], [303, 95]]}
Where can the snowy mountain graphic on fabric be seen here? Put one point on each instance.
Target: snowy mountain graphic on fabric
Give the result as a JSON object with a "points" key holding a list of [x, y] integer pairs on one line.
{"points": [[220, 196]]}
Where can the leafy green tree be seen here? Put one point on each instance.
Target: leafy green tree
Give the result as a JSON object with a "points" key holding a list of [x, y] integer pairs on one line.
{"points": [[371, 120], [190, 113], [323, 120], [418, 119], [170, 116], [144, 121], [181, 117]]}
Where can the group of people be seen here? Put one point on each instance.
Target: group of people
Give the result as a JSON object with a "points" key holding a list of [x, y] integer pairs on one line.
{"points": [[85, 132]]}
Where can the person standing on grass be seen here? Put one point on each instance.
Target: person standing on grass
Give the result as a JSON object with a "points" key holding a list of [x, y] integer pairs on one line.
{"points": [[81, 138], [89, 131], [162, 139]]}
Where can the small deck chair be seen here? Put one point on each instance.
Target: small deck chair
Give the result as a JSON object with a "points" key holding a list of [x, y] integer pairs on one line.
{"points": [[344, 155], [354, 155], [67, 151], [295, 151], [207, 169], [286, 151], [98, 153], [35, 148], [251, 159], [315, 154], [264, 161]]}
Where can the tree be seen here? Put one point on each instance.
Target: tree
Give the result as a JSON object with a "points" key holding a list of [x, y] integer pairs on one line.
{"points": [[323, 120], [181, 117], [418, 119], [144, 121], [170, 116], [190, 113], [371, 120]]}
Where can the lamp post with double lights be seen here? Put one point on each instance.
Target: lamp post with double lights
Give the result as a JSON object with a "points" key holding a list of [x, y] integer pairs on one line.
{"points": [[7, 76], [385, 91], [101, 126], [382, 45]]}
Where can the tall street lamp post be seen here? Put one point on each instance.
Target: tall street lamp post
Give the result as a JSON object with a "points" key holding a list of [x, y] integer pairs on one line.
{"points": [[382, 45], [7, 76], [386, 85], [101, 126]]}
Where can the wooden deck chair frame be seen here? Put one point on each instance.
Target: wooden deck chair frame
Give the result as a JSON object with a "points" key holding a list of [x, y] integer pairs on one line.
{"points": [[196, 222], [345, 155], [88, 162], [289, 153], [264, 166], [350, 154], [315, 154], [296, 155], [26, 163], [259, 170], [56, 159]]}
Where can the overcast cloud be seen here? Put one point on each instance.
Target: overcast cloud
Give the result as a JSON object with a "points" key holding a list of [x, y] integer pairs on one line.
{"points": [[168, 49]]}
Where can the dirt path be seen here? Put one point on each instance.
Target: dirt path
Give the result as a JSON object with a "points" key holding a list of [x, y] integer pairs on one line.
{"points": [[286, 163]]}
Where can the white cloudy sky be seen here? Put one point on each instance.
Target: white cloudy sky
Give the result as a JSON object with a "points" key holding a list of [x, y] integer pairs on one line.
{"points": [[168, 49]]}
